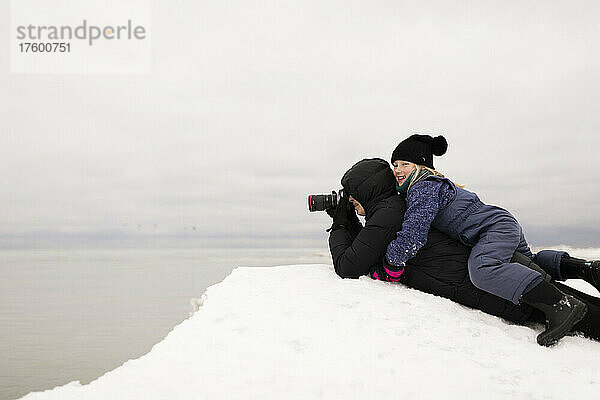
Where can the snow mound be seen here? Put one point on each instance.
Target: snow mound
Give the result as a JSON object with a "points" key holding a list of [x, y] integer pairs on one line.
{"points": [[300, 332]]}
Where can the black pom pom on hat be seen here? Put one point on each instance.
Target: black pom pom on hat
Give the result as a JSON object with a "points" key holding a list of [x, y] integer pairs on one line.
{"points": [[420, 149], [439, 146]]}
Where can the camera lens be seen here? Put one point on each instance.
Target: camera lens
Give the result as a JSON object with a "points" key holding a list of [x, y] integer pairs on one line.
{"points": [[322, 202]]}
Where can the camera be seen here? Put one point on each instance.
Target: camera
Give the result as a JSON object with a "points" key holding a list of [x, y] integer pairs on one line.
{"points": [[322, 202]]}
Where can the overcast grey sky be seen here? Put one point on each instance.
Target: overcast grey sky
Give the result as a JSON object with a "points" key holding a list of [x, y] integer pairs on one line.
{"points": [[252, 105]]}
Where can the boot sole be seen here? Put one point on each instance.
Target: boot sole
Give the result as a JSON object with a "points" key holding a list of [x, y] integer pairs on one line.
{"points": [[548, 339]]}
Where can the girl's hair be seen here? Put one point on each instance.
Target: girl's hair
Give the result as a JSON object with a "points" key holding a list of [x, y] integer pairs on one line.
{"points": [[418, 177]]}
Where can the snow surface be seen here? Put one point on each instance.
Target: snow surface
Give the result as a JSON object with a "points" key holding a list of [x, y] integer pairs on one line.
{"points": [[300, 332]]}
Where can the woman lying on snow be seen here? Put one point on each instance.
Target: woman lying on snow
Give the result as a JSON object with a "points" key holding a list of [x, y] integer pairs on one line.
{"points": [[439, 267]]}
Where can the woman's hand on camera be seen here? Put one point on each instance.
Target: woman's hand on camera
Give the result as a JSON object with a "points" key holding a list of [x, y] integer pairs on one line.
{"points": [[340, 216]]}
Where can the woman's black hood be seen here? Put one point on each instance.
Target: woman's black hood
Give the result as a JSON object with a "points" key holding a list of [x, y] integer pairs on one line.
{"points": [[369, 181]]}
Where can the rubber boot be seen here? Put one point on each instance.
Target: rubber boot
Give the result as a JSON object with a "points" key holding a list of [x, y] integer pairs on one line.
{"points": [[589, 271], [526, 261], [562, 311]]}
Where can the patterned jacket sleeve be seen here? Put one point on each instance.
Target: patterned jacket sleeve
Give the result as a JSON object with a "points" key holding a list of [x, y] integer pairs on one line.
{"points": [[423, 204]]}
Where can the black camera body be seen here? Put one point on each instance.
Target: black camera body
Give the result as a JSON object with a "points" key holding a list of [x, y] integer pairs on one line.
{"points": [[322, 202]]}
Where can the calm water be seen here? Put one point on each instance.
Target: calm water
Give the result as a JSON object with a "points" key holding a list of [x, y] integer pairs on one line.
{"points": [[75, 314]]}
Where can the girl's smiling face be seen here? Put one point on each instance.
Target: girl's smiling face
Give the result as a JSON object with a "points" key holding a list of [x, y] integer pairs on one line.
{"points": [[402, 170]]}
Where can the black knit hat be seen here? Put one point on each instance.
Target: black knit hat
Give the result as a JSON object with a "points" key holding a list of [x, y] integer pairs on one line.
{"points": [[420, 149]]}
